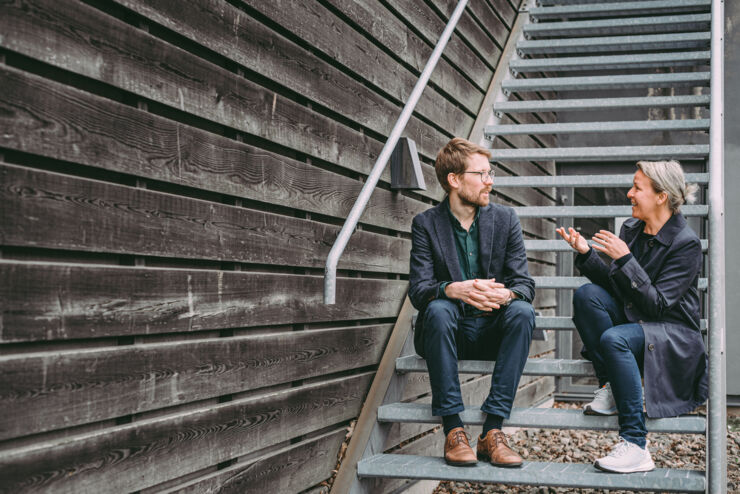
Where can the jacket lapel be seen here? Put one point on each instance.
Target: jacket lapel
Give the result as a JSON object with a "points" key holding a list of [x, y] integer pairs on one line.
{"points": [[485, 237], [446, 240]]}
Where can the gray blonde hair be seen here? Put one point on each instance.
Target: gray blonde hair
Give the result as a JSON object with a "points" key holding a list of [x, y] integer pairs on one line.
{"points": [[668, 177]]}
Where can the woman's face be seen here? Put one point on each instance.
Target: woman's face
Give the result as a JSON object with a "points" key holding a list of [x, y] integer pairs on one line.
{"points": [[645, 201]]}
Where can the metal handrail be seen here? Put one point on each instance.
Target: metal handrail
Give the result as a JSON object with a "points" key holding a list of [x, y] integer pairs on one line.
{"points": [[330, 271], [716, 441]]}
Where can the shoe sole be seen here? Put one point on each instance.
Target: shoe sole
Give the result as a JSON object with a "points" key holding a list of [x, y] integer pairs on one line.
{"points": [[461, 463], [641, 468], [503, 465], [605, 413]]}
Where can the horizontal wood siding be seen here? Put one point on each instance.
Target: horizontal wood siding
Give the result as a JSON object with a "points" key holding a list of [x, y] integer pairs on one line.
{"points": [[173, 175]]}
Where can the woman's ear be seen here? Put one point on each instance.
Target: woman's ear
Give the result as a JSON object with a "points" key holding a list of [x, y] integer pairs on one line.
{"points": [[662, 198]]}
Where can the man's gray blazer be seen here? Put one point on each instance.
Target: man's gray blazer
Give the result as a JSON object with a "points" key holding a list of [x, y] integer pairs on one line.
{"points": [[434, 256]]}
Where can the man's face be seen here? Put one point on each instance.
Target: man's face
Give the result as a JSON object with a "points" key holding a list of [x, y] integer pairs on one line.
{"points": [[472, 190]]}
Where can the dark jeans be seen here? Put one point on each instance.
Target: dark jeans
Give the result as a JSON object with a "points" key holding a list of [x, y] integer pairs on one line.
{"points": [[617, 352], [504, 336]]}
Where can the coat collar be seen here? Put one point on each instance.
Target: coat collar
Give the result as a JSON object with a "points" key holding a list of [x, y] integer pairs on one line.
{"points": [[665, 236], [446, 239]]}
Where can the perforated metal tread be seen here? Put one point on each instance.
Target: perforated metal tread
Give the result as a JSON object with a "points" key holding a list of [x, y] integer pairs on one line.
{"points": [[531, 473], [607, 62], [533, 367], [599, 127], [560, 246], [541, 418], [643, 42], [573, 282], [581, 180], [611, 153], [594, 211], [622, 9], [680, 79], [590, 104], [628, 25]]}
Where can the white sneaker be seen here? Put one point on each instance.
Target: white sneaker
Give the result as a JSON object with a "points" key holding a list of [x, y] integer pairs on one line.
{"points": [[603, 402], [626, 457]]}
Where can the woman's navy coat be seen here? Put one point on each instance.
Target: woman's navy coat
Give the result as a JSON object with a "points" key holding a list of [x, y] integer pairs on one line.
{"points": [[661, 294]]}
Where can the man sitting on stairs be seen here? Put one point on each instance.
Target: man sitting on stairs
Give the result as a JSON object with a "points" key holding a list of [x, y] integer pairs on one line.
{"points": [[470, 282]]}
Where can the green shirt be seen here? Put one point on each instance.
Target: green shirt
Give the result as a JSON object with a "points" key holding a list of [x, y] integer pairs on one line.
{"points": [[466, 244]]}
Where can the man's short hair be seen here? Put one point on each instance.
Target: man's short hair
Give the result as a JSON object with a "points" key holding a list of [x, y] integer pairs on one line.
{"points": [[452, 158]]}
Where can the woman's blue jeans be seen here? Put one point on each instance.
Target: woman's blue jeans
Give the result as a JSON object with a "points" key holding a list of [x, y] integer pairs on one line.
{"points": [[617, 352], [449, 335]]}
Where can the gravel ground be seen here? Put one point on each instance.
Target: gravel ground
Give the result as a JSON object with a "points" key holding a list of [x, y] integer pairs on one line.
{"points": [[685, 451]]}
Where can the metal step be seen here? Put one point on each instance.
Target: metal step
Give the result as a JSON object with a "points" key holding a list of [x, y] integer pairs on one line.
{"points": [[680, 79], [598, 127], [617, 153], [573, 282], [609, 62], [644, 42], [544, 3], [622, 9], [629, 25], [591, 104], [540, 418], [561, 246], [533, 367], [581, 180], [531, 473], [563, 323], [595, 211]]}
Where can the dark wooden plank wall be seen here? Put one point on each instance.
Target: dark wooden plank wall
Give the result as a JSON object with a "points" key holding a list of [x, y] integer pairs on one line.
{"points": [[172, 177]]}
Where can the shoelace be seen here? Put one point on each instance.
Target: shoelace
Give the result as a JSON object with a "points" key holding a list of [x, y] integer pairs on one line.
{"points": [[620, 449], [459, 437], [601, 392], [499, 438]]}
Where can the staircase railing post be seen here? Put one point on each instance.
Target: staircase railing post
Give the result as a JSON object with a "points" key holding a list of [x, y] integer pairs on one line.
{"points": [[330, 271], [717, 439]]}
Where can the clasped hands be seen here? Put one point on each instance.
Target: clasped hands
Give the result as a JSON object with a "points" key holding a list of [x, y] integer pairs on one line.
{"points": [[604, 241], [485, 295]]}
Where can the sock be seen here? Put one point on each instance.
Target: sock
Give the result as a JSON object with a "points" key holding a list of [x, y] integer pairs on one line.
{"points": [[492, 422], [449, 422]]}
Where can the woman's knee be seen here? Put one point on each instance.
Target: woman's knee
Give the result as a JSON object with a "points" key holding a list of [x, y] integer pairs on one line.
{"points": [[611, 340], [585, 294]]}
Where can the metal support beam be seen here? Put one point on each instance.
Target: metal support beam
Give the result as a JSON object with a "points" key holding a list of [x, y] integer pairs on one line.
{"points": [[717, 410]]}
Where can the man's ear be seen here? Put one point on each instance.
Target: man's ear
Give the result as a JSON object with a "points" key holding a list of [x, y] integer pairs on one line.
{"points": [[453, 180]]}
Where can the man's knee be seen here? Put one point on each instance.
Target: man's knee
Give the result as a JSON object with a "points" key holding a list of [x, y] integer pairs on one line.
{"points": [[440, 316], [521, 313]]}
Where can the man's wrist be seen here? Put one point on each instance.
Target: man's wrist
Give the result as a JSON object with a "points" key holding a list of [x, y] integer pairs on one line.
{"points": [[511, 297]]}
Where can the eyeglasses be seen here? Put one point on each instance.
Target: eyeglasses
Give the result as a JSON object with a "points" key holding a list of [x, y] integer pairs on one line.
{"points": [[485, 175]]}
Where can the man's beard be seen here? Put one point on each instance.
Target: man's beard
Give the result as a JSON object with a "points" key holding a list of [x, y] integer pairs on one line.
{"points": [[474, 199]]}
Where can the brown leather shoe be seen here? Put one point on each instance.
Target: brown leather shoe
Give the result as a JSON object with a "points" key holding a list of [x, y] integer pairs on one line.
{"points": [[457, 449], [495, 448]]}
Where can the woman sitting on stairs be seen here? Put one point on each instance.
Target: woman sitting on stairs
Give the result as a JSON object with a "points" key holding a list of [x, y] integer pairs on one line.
{"points": [[640, 314]]}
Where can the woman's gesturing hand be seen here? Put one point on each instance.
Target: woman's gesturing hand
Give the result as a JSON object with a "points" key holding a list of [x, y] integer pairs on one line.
{"points": [[611, 245], [574, 239]]}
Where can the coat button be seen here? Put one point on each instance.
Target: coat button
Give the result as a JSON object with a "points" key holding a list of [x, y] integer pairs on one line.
{"points": [[628, 305], [651, 243], [651, 347], [634, 285]]}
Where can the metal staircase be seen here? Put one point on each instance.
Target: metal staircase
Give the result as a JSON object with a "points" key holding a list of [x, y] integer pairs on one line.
{"points": [[583, 46]]}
